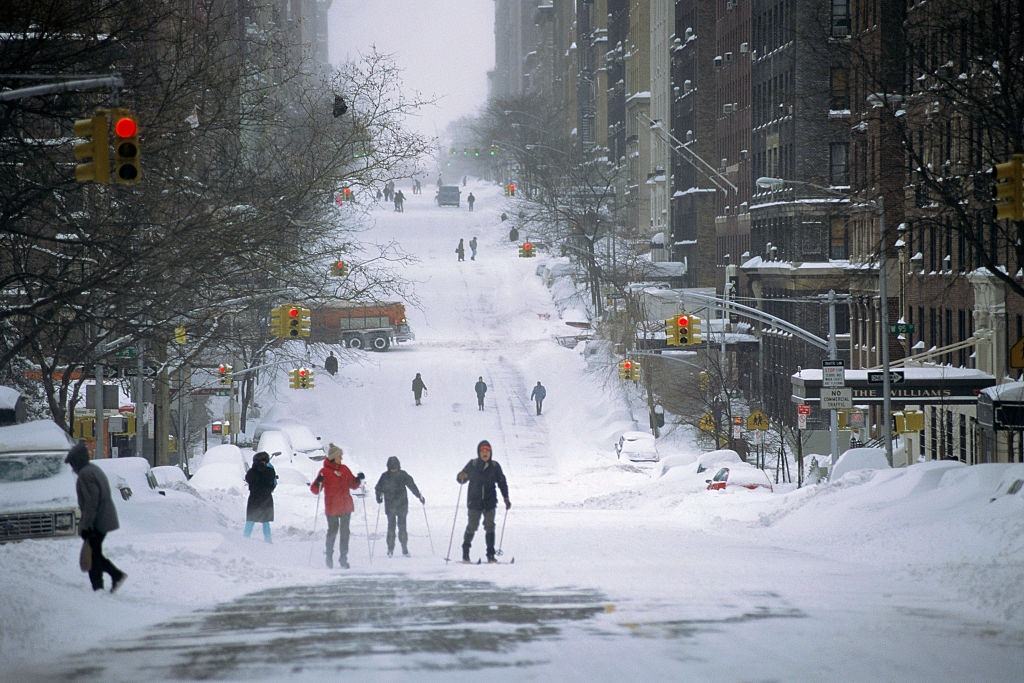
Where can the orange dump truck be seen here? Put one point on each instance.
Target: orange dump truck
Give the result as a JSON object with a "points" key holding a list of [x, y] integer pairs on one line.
{"points": [[360, 326]]}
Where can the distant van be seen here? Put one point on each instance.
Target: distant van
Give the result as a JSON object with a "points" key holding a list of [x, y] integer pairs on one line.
{"points": [[448, 195]]}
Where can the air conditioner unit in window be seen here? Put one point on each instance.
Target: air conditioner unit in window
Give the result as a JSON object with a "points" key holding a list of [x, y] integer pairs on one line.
{"points": [[728, 56], [730, 4], [687, 85], [727, 109], [718, 61], [744, 48]]}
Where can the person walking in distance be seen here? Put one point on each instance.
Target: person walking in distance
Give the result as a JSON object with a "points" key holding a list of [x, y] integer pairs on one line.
{"points": [[482, 475], [418, 387], [390, 490], [336, 480], [262, 480], [538, 394], [461, 250], [471, 200], [481, 391], [99, 516], [472, 249], [331, 364], [464, 179], [400, 201]]}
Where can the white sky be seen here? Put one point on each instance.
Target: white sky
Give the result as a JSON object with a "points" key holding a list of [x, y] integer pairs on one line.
{"points": [[445, 48]]}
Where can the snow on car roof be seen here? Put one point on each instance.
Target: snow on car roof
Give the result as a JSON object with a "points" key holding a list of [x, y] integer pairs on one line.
{"points": [[722, 455], [633, 436], [38, 435]]}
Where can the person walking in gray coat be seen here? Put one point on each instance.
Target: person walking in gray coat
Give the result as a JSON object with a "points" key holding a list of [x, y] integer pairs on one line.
{"points": [[99, 516], [538, 394], [472, 249], [418, 387], [481, 390]]}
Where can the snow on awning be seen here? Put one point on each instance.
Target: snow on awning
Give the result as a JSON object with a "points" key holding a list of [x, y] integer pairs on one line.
{"points": [[658, 238]]}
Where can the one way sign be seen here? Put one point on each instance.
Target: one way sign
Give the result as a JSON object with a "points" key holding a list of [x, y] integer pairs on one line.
{"points": [[878, 377]]}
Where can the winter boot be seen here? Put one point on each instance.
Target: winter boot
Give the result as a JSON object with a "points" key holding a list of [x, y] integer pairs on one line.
{"points": [[405, 551], [330, 562], [465, 553], [391, 551], [491, 559], [343, 562]]}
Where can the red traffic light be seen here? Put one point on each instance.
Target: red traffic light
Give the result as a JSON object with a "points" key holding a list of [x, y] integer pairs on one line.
{"points": [[683, 321], [302, 372], [527, 246], [627, 365], [339, 265], [126, 127], [222, 369], [293, 312]]}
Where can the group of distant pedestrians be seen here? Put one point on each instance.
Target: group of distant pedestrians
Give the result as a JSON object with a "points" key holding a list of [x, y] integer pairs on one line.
{"points": [[460, 250]]}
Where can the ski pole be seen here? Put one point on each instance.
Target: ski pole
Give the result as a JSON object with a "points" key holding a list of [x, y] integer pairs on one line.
{"points": [[429, 537], [376, 526], [366, 521], [458, 500], [501, 541], [316, 516]]}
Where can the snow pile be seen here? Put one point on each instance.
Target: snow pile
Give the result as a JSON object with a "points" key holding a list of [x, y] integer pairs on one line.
{"points": [[859, 459]]}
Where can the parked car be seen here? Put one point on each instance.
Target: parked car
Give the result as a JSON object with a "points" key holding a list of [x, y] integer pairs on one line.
{"points": [[739, 475], [637, 447], [724, 456], [37, 489], [300, 437]]}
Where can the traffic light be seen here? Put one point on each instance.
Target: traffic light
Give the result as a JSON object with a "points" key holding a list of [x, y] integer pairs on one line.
{"points": [[634, 372], [339, 268], [672, 331], [511, 189], [300, 378], [278, 324], [180, 335], [224, 373], [1008, 191], [683, 322], [127, 170], [625, 369], [696, 337], [526, 250], [95, 151]]}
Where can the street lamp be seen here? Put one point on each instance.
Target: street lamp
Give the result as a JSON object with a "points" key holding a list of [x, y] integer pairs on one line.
{"points": [[883, 297]]}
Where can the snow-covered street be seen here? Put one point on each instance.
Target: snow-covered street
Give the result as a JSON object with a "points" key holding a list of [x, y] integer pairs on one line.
{"points": [[619, 573]]}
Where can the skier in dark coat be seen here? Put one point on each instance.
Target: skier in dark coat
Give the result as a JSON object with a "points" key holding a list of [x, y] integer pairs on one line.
{"points": [[482, 474], [418, 387], [538, 394], [481, 390], [390, 490], [262, 480], [471, 200], [461, 250], [99, 516]]}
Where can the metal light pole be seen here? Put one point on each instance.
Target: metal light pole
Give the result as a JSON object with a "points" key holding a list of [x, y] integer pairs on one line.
{"points": [[883, 299], [833, 354]]}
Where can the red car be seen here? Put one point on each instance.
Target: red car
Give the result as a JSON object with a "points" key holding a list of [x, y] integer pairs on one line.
{"points": [[739, 476]]}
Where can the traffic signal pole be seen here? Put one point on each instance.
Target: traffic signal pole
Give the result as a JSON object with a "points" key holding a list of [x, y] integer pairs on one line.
{"points": [[833, 354], [114, 82]]}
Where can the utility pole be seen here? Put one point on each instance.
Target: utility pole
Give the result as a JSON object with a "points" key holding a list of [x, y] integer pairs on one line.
{"points": [[100, 432], [883, 296], [140, 403], [833, 354]]}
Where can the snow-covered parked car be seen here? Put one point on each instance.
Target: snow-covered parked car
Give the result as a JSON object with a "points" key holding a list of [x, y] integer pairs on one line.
{"points": [[300, 437], [37, 489], [678, 460], [276, 443], [739, 475], [859, 459], [713, 459], [168, 476], [637, 447]]}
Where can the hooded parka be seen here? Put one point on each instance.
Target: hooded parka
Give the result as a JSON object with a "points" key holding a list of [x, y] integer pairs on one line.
{"points": [[392, 485]]}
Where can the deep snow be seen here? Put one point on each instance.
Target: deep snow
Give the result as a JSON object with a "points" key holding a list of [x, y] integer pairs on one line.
{"points": [[909, 574]]}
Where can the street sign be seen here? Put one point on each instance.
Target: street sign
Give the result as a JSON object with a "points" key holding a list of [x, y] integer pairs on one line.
{"points": [[801, 421], [707, 423], [126, 352], [803, 409], [836, 399], [110, 396], [757, 421], [737, 431], [758, 438], [149, 371], [856, 419], [878, 377], [901, 328], [833, 373], [211, 391]]}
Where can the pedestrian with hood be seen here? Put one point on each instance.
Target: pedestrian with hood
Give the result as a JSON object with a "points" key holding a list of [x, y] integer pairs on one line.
{"points": [[336, 480], [472, 249], [481, 391], [99, 516], [482, 474], [538, 394], [418, 387], [262, 480], [461, 250], [471, 200], [390, 490]]}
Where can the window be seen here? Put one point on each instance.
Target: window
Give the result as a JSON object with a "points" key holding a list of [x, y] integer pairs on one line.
{"points": [[840, 18], [839, 98], [838, 174], [839, 248]]}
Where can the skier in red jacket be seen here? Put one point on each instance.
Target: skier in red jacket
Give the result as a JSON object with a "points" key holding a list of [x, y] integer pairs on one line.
{"points": [[336, 480]]}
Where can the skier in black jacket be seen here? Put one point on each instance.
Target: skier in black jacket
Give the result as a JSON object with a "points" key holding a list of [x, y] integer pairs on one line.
{"points": [[481, 499], [390, 490], [262, 481]]}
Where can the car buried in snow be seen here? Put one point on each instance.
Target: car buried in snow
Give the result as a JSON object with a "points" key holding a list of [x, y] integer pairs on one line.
{"points": [[637, 447], [739, 476]]}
